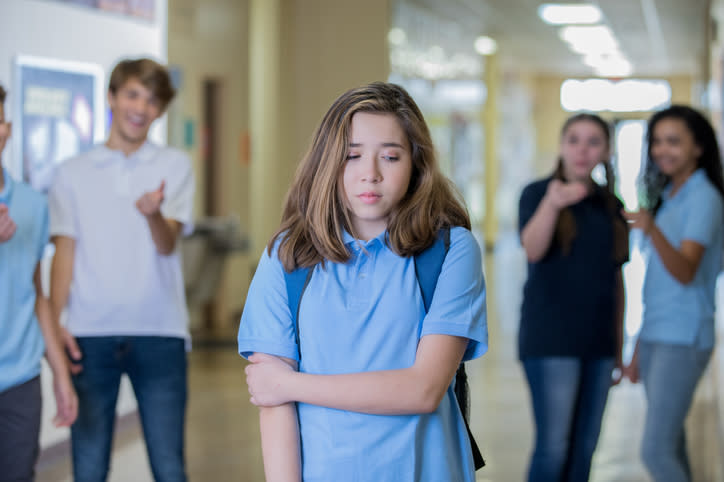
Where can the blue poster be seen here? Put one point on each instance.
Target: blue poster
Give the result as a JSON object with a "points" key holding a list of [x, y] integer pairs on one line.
{"points": [[59, 114]]}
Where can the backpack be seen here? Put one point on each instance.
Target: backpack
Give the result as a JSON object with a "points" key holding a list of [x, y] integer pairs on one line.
{"points": [[428, 265]]}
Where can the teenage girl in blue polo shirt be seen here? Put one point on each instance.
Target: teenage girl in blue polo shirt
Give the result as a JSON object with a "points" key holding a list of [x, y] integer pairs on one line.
{"points": [[685, 230], [371, 374], [571, 320]]}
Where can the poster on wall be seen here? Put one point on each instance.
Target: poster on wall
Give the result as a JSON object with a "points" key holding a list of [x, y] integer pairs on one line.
{"points": [[145, 9], [58, 113]]}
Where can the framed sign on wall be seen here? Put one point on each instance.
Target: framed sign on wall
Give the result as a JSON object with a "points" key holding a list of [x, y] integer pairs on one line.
{"points": [[58, 112]]}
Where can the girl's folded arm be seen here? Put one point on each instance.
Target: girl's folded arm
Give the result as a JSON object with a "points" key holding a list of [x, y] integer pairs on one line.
{"points": [[417, 389], [280, 443]]}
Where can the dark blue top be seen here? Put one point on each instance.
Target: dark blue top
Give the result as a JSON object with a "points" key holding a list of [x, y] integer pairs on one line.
{"points": [[569, 300]]}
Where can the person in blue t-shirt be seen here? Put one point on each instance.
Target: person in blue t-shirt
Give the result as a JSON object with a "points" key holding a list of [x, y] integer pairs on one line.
{"points": [[365, 393], [27, 330], [684, 228], [571, 329]]}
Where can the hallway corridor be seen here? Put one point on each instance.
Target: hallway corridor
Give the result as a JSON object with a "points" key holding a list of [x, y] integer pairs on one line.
{"points": [[222, 428]]}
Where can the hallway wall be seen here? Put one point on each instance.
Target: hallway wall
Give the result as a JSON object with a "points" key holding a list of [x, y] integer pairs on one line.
{"points": [[72, 33]]}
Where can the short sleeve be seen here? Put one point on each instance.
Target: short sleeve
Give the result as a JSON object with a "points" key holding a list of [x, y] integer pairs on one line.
{"points": [[458, 305], [530, 198], [60, 205], [179, 201], [703, 216], [266, 322]]}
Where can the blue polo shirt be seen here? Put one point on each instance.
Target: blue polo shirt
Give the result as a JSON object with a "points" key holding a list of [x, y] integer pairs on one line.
{"points": [[21, 341], [676, 313], [364, 315]]}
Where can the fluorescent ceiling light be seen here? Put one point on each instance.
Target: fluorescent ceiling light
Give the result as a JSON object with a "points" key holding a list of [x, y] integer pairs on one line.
{"points": [[596, 39], [614, 68], [485, 45], [562, 14]]}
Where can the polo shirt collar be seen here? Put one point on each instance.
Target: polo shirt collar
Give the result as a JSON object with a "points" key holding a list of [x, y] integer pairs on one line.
{"points": [[350, 241], [7, 192], [695, 179], [144, 153]]}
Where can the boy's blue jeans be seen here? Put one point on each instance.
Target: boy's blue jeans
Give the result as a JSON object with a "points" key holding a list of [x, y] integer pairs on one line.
{"points": [[569, 397], [669, 374], [156, 367]]}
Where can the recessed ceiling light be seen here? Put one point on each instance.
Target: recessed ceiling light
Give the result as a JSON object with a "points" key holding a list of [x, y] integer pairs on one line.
{"points": [[396, 36], [562, 14], [486, 45]]}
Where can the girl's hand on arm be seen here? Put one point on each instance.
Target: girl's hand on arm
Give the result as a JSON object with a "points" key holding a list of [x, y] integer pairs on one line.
{"points": [[265, 378], [538, 233]]}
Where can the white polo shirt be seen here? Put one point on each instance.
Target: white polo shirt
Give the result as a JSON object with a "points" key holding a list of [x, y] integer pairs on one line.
{"points": [[121, 285]]}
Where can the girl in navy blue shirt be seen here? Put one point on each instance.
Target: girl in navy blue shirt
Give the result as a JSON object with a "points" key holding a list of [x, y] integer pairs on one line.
{"points": [[572, 313]]}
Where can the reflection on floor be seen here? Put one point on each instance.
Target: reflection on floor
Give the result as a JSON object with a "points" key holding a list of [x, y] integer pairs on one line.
{"points": [[222, 428]]}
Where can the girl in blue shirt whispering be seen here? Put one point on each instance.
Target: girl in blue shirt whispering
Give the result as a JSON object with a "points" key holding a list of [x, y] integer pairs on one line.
{"points": [[361, 389], [684, 225]]}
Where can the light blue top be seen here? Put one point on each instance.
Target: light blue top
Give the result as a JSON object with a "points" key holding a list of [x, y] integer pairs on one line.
{"points": [[21, 341], [365, 315], [676, 313]]}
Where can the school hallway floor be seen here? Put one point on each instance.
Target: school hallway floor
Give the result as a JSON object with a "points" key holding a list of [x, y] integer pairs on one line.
{"points": [[222, 426]]}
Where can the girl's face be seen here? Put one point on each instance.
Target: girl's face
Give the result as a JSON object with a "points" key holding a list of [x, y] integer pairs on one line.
{"points": [[377, 171], [583, 146], [673, 148]]}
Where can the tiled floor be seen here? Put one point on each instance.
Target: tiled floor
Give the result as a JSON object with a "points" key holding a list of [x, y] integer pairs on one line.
{"points": [[222, 428]]}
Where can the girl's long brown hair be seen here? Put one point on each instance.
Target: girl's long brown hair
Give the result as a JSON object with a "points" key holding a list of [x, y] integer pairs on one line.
{"points": [[565, 230], [315, 213]]}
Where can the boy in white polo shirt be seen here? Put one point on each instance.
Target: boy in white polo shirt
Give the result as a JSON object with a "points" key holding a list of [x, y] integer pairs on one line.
{"points": [[26, 328], [116, 213]]}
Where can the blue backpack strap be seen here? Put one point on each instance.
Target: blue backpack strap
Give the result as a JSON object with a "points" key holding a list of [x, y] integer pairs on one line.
{"points": [[297, 282], [428, 266]]}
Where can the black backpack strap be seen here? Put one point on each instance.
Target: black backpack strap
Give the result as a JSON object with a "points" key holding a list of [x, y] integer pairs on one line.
{"points": [[462, 394]]}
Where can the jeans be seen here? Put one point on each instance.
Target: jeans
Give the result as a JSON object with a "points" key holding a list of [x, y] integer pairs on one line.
{"points": [[156, 367], [569, 396], [669, 374]]}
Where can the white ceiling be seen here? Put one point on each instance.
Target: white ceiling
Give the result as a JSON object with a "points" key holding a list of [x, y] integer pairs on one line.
{"points": [[659, 37]]}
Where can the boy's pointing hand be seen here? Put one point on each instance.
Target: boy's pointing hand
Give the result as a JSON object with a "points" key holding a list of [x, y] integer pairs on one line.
{"points": [[150, 203]]}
